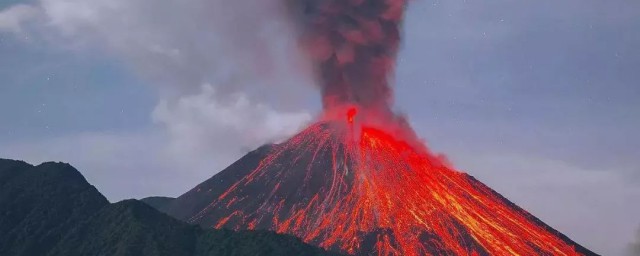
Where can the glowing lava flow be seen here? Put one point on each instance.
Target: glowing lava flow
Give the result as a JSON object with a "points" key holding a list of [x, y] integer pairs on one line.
{"points": [[355, 187]]}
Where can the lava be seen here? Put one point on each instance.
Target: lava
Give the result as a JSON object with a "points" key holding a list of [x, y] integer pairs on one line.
{"points": [[351, 113], [358, 188]]}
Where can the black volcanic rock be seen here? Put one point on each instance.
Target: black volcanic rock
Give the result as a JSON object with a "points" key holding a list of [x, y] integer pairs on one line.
{"points": [[51, 209]]}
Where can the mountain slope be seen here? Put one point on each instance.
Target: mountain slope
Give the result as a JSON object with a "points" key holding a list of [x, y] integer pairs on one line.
{"points": [[133, 228], [128, 228], [367, 193], [579, 248], [51, 209], [38, 204], [202, 195]]}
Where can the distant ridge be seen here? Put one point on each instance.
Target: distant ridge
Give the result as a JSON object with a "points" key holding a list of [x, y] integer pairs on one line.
{"points": [[50, 209], [40, 204]]}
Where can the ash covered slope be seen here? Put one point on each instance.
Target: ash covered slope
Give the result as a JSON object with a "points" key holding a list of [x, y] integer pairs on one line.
{"points": [[395, 203], [50, 209]]}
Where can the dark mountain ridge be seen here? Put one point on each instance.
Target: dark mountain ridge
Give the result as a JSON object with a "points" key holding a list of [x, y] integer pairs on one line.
{"points": [[39, 204], [51, 209]]}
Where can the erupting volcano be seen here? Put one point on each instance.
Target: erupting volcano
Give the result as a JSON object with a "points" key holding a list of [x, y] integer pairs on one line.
{"points": [[355, 187], [358, 181]]}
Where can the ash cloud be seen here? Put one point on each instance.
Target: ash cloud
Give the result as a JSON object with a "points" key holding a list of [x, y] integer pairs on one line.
{"points": [[353, 46]]}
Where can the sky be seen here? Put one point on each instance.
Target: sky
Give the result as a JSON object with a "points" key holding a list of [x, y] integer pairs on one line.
{"points": [[537, 99]]}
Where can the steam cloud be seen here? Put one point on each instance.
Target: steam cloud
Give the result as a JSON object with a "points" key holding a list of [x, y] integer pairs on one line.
{"points": [[353, 45]]}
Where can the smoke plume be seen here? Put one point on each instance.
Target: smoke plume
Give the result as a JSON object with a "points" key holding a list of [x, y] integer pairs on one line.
{"points": [[353, 45]]}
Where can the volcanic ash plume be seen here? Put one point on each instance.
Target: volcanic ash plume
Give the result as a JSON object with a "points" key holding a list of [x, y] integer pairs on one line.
{"points": [[353, 44]]}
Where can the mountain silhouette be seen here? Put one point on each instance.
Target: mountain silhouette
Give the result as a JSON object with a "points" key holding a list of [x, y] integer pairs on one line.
{"points": [[40, 204], [50, 209]]}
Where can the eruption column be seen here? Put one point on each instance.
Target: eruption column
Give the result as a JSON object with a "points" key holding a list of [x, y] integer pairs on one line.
{"points": [[353, 44]]}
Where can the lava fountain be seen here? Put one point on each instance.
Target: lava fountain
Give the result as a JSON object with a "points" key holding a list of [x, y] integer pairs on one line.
{"points": [[358, 181]]}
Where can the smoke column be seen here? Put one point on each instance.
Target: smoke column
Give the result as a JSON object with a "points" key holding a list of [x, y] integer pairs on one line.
{"points": [[353, 45]]}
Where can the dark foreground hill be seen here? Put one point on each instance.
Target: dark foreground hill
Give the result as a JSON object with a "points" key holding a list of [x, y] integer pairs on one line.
{"points": [[50, 209], [40, 204]]}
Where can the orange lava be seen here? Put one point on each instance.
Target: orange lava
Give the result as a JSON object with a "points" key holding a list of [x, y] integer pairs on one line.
{"points": [[351, 113], [383, 191]]}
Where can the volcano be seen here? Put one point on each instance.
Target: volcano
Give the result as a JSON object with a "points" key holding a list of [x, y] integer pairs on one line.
{"points": [[358, 180], [366, 188]]}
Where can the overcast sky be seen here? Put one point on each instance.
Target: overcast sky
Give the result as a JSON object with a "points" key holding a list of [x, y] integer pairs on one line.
{"points": [[538, 99]]}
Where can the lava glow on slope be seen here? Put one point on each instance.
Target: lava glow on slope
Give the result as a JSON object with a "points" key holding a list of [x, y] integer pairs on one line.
{"points": [[352, 185]]}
